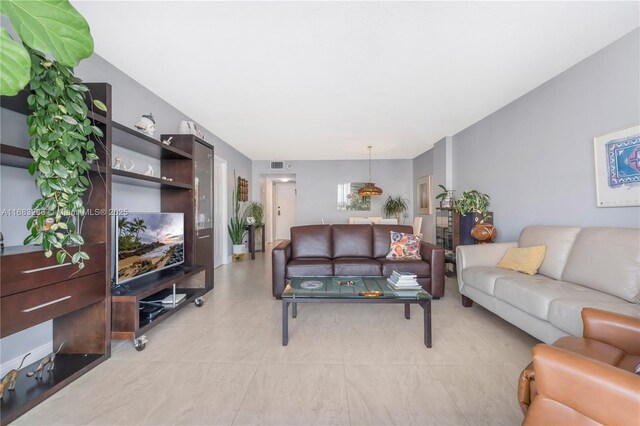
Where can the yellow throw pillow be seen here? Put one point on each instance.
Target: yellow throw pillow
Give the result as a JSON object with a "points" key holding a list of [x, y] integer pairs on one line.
{"points": [[523, 259]]}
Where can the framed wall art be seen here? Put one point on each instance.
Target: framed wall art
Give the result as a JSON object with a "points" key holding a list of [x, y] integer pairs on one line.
{"points": [[617, 161], [349, 199], [423, 194]]}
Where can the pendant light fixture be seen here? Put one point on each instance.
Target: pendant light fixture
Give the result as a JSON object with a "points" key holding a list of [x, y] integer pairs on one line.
{"points": [[369, 189]]}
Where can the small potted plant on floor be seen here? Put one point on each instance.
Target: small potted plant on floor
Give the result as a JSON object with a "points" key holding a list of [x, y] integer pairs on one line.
{"points": [[395, 206], [473, 206], [237, 227]]}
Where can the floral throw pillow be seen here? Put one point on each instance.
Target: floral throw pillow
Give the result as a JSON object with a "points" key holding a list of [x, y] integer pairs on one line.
{"points": [[404, 246]]}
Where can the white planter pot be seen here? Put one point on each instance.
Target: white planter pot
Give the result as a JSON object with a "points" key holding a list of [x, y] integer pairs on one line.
{"points": [[238, 249]]}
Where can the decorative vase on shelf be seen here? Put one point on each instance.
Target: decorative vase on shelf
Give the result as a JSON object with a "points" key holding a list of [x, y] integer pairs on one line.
{"points": [[484, 233], [449, 201]]}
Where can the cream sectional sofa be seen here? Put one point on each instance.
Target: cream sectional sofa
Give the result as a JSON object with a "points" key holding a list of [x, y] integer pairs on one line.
{"points": [[594, 267]]}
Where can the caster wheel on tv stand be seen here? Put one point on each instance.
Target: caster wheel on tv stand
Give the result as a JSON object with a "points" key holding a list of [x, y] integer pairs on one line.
{"points": [[199, 302], [140, 343]]}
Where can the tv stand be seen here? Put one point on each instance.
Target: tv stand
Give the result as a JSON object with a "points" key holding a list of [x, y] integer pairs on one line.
{"points": [[126, 300]]}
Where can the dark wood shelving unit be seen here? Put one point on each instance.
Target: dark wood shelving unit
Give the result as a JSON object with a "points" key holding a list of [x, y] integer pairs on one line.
{"points": [[193, 277], [129, 138], [130, 178], [69, 367], [35, 289], [14, 156], [126, 298]]}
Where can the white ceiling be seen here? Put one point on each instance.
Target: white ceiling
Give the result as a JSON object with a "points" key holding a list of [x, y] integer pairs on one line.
{"points": [[322, 80]]}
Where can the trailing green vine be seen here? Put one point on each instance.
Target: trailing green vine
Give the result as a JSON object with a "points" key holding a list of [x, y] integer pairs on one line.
{"points": [[61, 148]]}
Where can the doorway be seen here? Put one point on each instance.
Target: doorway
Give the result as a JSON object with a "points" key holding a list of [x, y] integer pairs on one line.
{"points": [[221, 246], [284, 209]]}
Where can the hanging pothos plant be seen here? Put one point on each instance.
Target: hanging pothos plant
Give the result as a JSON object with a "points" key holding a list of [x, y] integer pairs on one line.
{"points": [[61, 148], [61, 134]]}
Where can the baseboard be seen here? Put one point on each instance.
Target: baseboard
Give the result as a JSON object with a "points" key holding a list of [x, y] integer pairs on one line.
{"points": [[36, 354]]}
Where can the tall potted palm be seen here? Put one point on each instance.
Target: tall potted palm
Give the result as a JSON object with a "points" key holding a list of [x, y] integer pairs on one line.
{"points": [[237, 226], [395, 206]]}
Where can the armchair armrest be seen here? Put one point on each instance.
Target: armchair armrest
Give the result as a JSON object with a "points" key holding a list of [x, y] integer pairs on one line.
{"points": [[572, 387], [435, 256], [526, 388], [280, 256], [620, 331], [479, 255]]}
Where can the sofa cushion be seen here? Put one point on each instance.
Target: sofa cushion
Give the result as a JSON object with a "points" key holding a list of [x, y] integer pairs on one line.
{"points": [[309, 267], [356, 266], [558, 239], [352, 241], [566, 314], [418, 267], [382, 237], [534, 294], [523, 259], [311, 241], [484, 278], [607, 260], [404, 246]]}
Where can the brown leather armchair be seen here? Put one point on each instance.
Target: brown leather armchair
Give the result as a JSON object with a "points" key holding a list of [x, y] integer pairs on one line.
{"points": [[582, 380]]}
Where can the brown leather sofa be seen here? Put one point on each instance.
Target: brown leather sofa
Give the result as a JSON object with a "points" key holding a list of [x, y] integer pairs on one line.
{"points": [[585, 380], [352, 250]]}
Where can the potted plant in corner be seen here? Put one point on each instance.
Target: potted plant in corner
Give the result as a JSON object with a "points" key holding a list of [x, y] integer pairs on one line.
{"points": [[237, 227], [473, 206], [395, 206]]}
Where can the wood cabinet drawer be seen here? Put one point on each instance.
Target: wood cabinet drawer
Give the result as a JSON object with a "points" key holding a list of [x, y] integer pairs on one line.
{"points": [[26, 271], [26, 309]]}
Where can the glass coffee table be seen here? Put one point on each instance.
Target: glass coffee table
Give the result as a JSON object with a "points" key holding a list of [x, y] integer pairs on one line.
{"points": [[348, 290]]}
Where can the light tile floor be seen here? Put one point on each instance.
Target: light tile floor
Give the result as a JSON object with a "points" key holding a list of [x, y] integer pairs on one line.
{"points": [[345, 364]]}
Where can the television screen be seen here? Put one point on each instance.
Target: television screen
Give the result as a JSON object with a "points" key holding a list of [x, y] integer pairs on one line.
{"points": [[148, 242]]}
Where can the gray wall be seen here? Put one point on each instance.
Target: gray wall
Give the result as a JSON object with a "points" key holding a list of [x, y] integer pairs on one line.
{"points": [[432, 162], [317, 185], [534, 157], [423, 165], [130, 100]]}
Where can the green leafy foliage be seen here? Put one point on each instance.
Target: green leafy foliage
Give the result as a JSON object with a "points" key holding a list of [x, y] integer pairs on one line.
{"points": [[238, 222], [60, 146], [473, 202], [255, 210], [443, 194], [395, 206], [51, 26], [15, 65]]}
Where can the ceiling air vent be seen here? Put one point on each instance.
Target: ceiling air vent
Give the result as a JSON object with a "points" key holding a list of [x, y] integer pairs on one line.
{"points": [[277, 165]]}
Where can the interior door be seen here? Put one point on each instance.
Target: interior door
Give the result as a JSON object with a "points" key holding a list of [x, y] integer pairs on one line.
{"points": [[285, 209]]}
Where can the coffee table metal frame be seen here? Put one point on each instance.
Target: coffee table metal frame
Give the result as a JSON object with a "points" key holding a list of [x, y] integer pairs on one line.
{"points": [[290, 298]]}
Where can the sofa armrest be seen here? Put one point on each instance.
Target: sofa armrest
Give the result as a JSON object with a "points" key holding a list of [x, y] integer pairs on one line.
{"points": [[435, 256], [620, 331], [280, 256], [479, 255], [571, 387]]}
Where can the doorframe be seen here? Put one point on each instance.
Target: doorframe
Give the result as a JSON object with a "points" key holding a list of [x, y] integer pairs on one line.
{"points": [[222, 187], [275, 204]]}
